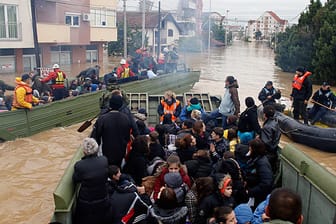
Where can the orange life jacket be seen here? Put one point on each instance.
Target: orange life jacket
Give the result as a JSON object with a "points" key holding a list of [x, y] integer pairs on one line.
{"points": [[169, 109], [298, 80], [28, 97]]}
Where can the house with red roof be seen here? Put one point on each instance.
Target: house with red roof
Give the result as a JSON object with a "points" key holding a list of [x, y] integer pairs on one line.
{"points": [[267, 25]]}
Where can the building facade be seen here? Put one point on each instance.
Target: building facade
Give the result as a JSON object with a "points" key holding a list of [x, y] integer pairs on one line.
{"points": [[266, 26], [170, 31], [69, 32], [16, 36]]}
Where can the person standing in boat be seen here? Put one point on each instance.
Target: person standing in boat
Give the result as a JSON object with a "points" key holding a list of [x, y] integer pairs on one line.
{"points": [[112, 130], [58, 78], [230, 104], [323, 99], [301, 92], [269, 94], [23, 94], [169, 105], [92, 173], [123, 71]]}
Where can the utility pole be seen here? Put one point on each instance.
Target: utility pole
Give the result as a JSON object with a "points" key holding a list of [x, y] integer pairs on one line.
{"points": [[209, 29], [159, 31], [125, 31], [143, 23], [36, 44], [227, 26]]}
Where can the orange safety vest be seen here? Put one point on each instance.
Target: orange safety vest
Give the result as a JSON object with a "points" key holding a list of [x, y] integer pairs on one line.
{"points": [[169, 109], [298, 80], [28, 96]]}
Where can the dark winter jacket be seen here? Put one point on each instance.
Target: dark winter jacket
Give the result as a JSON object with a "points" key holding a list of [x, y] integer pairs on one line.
{"points": [[209, 203], [305, 92], [248, 120], [124, 109], [220, 147], [169, 216], [112, 130], [185, 154], [270, 134], [264, 93], [92, 202], [128, 207], [325, 97], [91, 172], [199, 167], [156, 150], [136, 166], [259, 178], [201, 141]]}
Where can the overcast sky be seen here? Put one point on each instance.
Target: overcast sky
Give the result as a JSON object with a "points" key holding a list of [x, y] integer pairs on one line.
{"points": [[242, 9]]}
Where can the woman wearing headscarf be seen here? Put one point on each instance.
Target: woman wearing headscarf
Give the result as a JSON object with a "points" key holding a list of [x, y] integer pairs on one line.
{"points": [[91, 172]]}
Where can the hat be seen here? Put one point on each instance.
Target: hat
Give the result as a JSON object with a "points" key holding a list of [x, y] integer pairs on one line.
{"points": [[300, 69], [24, 77], [243, 213], [90, 146], [142, 111], [115, 102], [194, 100], [173, 179], [55, 66], [122, 61], [269, 83], [325, 84]]}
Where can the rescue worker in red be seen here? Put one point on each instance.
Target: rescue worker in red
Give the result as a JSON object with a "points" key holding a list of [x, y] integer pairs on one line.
{"points": [[123, 70], [57, 78], [301, 92], [169, 105], [23, 94]]}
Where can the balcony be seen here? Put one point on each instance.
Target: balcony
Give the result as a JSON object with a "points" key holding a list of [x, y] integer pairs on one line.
{"points": [[103, 34], [10, 31], [53, 33]]}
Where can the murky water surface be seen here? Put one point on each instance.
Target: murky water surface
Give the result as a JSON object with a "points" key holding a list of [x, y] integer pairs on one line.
{"points": [[30, 168]]}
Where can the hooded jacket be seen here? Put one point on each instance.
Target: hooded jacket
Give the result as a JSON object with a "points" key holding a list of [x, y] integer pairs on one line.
{"points": [[248, 120], [270, 134], [169, 216], [230, 104]]}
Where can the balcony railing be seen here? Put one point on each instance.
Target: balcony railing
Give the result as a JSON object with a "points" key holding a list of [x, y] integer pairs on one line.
{"points": [[10, 31]]}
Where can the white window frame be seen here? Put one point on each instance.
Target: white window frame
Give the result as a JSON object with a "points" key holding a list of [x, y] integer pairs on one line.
{"points": [[99, 17], [72, 15], [7, 37]]}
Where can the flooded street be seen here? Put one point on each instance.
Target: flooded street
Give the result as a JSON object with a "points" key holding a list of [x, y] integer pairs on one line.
{"points": [[30, 168]]}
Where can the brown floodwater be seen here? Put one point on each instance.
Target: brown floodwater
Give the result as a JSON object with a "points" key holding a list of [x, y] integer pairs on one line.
{"points": [[30, 168]]}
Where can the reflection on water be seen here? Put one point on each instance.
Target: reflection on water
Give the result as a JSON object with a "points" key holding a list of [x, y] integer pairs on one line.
{"points": [[30, 168]]}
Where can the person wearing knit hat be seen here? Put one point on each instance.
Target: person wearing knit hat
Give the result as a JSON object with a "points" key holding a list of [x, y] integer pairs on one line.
{"points": [[244, 214], [324, 100], [23, 94], [115, 102], [301, 92], [269, 94], [192, 104], [91, 172], [112, 131]]}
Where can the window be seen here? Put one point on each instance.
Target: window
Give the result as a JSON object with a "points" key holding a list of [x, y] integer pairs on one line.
{"points": [[61, 54], [170, 33], [8, 21], [103, 17], [72, 19]]}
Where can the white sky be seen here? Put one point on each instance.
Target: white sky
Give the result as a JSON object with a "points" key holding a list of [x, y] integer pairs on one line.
{"points": [[240, 9]]}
